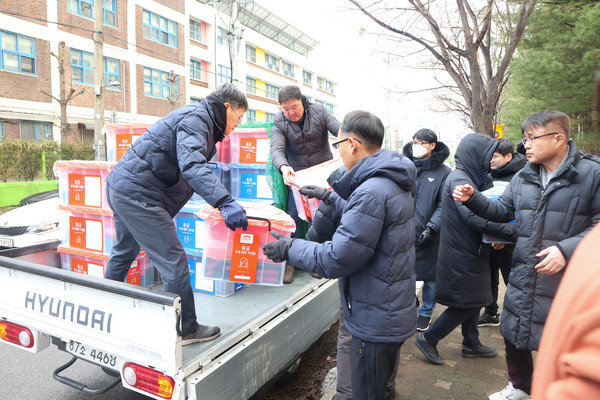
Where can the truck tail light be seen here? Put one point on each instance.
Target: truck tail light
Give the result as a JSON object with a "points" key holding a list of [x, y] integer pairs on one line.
{"points": [[148, 380], [16, 334]]}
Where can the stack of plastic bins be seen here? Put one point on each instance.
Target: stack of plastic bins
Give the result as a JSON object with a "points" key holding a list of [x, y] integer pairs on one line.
{"points": [[94, 264], [120, 137], [249, 146], [224, 150], [218, 288], [87, 222], [238, 256], [249, 181], [315, 175]]}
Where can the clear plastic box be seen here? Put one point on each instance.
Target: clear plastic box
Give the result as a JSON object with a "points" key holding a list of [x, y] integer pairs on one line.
{"points": [[88, 228], [224, 150], [83, 183], [189, 224], [141, 272], [249, 181], [120, 137], [218, 288], [238, 256], [249, 145]]}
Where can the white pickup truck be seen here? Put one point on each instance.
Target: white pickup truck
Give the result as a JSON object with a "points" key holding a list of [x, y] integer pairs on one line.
{"points": [[132, 332]]}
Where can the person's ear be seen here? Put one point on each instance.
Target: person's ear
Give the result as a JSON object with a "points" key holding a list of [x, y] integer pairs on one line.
{"points": [[509, 157], [433, 147]]}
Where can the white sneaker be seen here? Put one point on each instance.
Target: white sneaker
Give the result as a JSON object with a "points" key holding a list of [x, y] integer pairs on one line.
{"points": [[510, 393]]}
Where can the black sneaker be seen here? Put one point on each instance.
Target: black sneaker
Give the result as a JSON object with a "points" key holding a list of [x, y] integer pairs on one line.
{"points": [[429, 351], [489, 320], [479, 351], [203, 334], [423, 323]]}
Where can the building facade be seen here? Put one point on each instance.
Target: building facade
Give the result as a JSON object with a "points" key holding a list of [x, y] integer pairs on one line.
{"points": [[157, 56]]}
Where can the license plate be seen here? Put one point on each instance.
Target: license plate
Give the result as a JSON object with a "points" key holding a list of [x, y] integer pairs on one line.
{"points": [[6, 242], [92, 354]]}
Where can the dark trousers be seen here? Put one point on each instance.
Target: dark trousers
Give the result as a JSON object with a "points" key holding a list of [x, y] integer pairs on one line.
{"points": [[519, 364], [151, 227], [500, 262], [371, 365], [450, 319]]}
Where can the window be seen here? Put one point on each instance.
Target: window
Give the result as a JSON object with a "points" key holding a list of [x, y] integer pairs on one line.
{"points": [[250, 85], [309, 99], [198, 70], [195, 30], [288, 69], [224, 74], [112, 73], [17, 53], [157, 84], [271, 91], [251, 115], [329, 86], [272, 62], [82, 67], [329, 108], [307, 77], [250, 53], [196, 99], [269, 117], [320, 83], [321, 102], [85, 8], [222, 38], [2, 130], [159, 29], [38, 131]]}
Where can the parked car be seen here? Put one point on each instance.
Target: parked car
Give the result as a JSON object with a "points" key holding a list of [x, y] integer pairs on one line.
{"points": [[34, 198], [31, 224]]}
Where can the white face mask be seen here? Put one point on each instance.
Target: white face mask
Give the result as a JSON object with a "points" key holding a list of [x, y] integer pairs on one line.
{"points": [[418, 151]]}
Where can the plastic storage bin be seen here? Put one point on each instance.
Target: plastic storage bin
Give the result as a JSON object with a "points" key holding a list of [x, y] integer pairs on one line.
{"points": [[204, 285], [88, 228], [83, 183], [238, 256], [85, 262], [120, 137], [249, 145], [315, 175], [189, 224], [249, 181], [224, 150]]}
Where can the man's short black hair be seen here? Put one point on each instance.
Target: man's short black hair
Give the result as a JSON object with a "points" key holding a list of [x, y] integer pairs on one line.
{"points": [[229, 93], [365, 125], [543, 118], [289, 92], [425, 135], [505, 147]]}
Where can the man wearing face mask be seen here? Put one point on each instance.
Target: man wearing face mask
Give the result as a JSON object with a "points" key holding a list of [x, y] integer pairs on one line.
{"points": [[428, 155]]}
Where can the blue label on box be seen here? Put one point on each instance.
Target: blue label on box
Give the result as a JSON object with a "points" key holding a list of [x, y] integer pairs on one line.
{"points": [[248, 185], [186, 231]]}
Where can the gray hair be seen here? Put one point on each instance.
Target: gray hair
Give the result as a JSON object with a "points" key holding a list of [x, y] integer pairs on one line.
{"points": [[229, 93]]}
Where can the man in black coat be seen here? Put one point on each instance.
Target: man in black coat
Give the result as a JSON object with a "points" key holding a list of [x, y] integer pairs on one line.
{"points": [[428, 155], [504, 165], [463, 274]]}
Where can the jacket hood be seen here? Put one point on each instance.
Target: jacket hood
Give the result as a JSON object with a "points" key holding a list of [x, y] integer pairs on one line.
{"points": [[336, 175], [515, 165], [473, 156], [385, 163], [437, 157], [218, 114]]}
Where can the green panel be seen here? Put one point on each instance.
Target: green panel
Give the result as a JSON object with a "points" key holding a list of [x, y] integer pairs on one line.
{"points": [[12, 192]]}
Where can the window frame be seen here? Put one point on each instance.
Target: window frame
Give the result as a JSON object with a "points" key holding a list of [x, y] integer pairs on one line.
{"points": [[107, 74], [158, 28], [252, 53], [37, 125], [112, 10], [194, 71], [329, 108], [273, 66], [224, 40], [271, 94], [81, 67], [304, 74], [221, 76], [18, 53], [159, 83], [251, 85], [250, 115], [269, 117], [287, 70], [195, 32]]}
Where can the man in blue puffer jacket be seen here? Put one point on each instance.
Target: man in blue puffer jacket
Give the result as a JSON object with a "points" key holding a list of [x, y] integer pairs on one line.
{"points": [[156, 177], [371, 252]]}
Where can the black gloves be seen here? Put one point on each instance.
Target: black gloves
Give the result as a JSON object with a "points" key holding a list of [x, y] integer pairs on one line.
{"points": [[233, 214], [317, 192], [426, 238], [278, 251]]}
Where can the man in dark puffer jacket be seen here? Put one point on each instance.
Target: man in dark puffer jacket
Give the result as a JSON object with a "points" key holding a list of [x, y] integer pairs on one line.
{"points": [[555, 202], [156, 177]]}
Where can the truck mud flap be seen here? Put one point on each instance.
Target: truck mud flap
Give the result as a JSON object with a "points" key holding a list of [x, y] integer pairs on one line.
{"points": [[78, 385]]}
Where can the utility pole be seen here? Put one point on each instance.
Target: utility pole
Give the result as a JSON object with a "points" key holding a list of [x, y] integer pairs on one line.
{"points": [[98, 82]]}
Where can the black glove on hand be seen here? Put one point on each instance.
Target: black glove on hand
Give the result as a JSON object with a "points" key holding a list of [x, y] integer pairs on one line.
{"points": [[233, 214], [426, 238], [314, 191], [278, 251]]}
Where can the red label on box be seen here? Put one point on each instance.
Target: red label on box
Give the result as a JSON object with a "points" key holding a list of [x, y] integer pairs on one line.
{"points": [[124, 142], [77, 232], [76, 190], [248, 150], [134, 275], [79, 266], [306, 207], [244, 257]]}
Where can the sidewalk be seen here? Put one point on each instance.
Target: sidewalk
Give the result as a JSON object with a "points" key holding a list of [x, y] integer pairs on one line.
{"points": [[459, 378]]}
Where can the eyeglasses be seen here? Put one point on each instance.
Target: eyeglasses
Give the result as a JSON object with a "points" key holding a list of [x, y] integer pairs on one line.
{"points": [[336, 145], [238, 114], [420, 143], [534, 138]]}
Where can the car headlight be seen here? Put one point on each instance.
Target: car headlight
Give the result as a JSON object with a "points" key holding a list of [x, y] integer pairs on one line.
{"points": [[41, 228]]}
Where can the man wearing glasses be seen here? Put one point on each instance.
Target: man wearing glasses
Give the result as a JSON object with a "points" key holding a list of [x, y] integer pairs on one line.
{"points": [[555, 202], [371, 252], [299, 140]]}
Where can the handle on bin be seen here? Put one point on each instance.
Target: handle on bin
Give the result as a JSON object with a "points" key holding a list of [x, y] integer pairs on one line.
{"points": [[262, 219]]}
